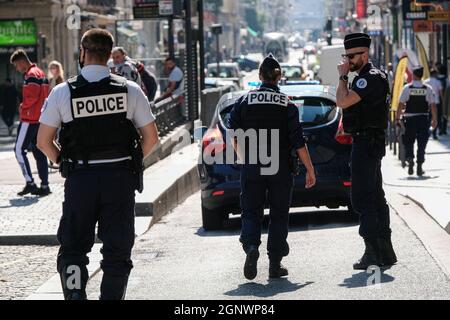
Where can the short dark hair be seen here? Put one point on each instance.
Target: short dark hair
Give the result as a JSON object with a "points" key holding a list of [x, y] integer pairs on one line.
{"points": [[17, 55], [98, 43], [170, 59]]}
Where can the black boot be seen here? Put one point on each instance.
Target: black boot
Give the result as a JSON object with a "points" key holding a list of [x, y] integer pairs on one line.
{"points": [[420, 171], [73, 288], [30, 187], [410, 167], [113, 287], [251, 262], [371, 255], [387, 254], [277, 270]]}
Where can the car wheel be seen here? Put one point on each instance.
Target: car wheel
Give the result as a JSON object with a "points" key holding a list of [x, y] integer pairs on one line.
{"points": [[212, 219]]}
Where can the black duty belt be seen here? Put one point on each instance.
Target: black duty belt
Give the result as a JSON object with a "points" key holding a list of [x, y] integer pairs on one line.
{"points": [[118, 164], [368, 134]]}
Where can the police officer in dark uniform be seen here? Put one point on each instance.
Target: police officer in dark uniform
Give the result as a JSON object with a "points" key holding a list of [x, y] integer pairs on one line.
{"points": [[101, 157], [267, 111], [365, 116], [414, 106]]}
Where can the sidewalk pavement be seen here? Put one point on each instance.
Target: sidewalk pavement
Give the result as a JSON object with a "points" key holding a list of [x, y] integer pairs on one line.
{"points": [[431, 191]]}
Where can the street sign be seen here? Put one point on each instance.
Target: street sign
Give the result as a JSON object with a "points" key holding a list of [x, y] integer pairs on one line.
{"points": [[146, 9], [154, 9], [165, 7], [423, 26], [438, 16]]}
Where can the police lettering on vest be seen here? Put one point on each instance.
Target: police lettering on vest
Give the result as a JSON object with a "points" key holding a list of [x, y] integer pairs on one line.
{"points": [[417, 102], [99, 105], [100, 129], [267, 97]]}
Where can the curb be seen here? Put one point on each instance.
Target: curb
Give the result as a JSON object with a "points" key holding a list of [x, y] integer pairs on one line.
{"points": [[421, 206]]}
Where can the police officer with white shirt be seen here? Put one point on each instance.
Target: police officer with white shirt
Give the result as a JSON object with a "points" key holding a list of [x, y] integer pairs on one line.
{"points": [[416, 100], [101, 156]]}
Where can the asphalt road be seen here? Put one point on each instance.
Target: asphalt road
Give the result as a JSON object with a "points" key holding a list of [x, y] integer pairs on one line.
{"points": [[177, 259]]}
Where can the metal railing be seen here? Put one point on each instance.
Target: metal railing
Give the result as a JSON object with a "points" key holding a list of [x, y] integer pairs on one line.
{"points": [[169, 114]]}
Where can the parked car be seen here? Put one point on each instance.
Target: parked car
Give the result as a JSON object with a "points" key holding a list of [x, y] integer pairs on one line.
{"points": [[246, 63], [217, 82], [293, 71], [228, 70], [328, 144]]}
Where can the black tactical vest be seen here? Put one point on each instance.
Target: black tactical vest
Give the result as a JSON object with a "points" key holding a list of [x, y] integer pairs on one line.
{"points": [[369, 113], [100, 129], [417, 102], [267, 109]]}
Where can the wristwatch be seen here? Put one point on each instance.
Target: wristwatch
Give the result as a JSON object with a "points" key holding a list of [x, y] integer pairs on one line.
{"points": [[343, 77]]}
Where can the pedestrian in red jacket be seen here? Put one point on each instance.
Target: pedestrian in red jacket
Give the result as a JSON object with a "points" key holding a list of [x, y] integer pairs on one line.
{"points": [[35, 91]]}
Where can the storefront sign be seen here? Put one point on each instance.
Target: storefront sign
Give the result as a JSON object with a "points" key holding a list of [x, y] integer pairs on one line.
{"points": [[423, 26], [18, 32], [414, 11]]}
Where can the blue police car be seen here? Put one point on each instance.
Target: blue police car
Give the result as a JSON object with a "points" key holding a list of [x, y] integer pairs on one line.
{"points": [[328, 144]]}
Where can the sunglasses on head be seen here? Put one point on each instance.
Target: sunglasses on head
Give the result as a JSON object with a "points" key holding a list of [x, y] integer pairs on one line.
{"points": [[352, 55]]}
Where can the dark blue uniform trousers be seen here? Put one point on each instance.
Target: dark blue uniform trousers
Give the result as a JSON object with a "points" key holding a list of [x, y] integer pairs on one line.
{"points": [[367, 195], [255, 190], [104, 195], [417, 127]]}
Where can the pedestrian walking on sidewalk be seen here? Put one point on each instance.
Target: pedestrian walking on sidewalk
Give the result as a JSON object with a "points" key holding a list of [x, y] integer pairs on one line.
{"points": [[416, 100], [365, 116], [101, 158], [55, 73], [438, 91], [35, 91], [263, 112], [8, 98]]}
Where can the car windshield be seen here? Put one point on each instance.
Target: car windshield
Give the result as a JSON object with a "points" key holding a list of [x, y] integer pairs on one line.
{"points": [[314, 111], [292, 72], [225, 72]]}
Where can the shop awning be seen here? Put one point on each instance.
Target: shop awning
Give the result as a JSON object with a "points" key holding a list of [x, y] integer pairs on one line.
{"points": [[252, 32]]}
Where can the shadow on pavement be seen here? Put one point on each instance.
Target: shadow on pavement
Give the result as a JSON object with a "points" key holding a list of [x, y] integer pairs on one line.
{"points": [[272, 288], [298, 221], [21, 202], [366, 279]]}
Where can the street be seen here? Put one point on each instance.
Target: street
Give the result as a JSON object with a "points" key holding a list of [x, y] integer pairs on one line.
{"points": [[178, 260]]}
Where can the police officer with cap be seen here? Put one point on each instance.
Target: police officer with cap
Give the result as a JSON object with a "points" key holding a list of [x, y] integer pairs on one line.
{"points": [[365, 116], [416, 100], [268, 112], [101, 156]]}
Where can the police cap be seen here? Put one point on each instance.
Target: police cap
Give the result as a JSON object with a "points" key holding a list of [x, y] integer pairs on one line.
{"points": [[356, 40], [418, 71], [270, 63]]}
